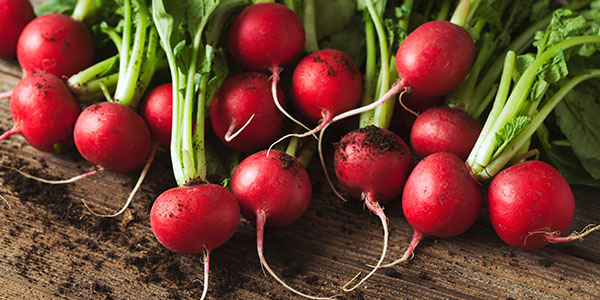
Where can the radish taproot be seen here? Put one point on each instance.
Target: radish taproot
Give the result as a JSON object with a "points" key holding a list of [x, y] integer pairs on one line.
{"points": [[157, 111], [372, 164], [57, 44], [195, 219], [14, 15], [325, 83], [444, 129], [531, 204], [441, 198], [112, 136], [243, 114], [273, 189], [44, 112]]}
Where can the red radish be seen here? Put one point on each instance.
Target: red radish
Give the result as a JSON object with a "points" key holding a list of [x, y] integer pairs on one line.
{"points": [[272, 189], [44, 111], [195, 219], [531, 204], [157, 111], [444, 129], [441, 198], [266, 37], [435, 57], [372, 164], [326, 83], [411, 105], [112, 136], [14, 15], [57, 44], [243, 114]]}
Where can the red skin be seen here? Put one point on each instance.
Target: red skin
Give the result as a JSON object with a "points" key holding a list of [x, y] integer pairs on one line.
{"points": [[527, 197], [240, 97], [441, 197], [276, 184], [157, 111], [57, 44], [444, 129], [187, 219], [378, 169], [326, 80], [435, 58], [44, 111], [266, 35], [417, 103], [113, 136], [14, 15]]}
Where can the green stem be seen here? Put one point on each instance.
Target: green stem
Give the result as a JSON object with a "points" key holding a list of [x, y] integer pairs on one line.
{"points": [[369, 79], [292, 146], [126, 87], [94, 90], [126, 39], [497, 164], [92, 72], [519, 95], [459, 17], [403, 22], [444, 10], [500, 100], [113, 35], [383, 83], [312, 43], [291, 4], [81, 9]]}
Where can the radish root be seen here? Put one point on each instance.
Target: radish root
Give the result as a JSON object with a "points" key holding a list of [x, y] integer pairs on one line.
{"points": [[410, 251], [274, 80], [6, 95], [374, 206], [229, 136], [47, 181], [553, 237], [261, 218], [408, 109], [206, 261], [6, 201], [137, 186]]}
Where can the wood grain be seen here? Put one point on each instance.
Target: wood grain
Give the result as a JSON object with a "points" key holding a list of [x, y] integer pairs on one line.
{"points": [[50, 251]]}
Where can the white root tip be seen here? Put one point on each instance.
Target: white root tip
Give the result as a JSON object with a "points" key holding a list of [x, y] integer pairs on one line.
{"points": [[229, 137]]}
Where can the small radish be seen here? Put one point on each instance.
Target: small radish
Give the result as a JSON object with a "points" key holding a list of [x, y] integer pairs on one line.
{"points": [[272, 189], [44, 111], [243, 114], [267, 37], [372, 164], [326, 83], [441, 198], [531, 204], [195, 219], [411, 105], [57, 44], [112, 136], [444, 129], [14, 15], [157, 111]]}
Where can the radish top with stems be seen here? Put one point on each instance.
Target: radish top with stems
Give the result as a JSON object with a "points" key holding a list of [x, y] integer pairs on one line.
{"points": [[57, 44], [14, 15], [44, 111], [265, 36]]}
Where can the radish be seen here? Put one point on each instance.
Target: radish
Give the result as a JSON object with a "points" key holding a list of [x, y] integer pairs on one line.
{"points": [[531, 204], [112, 136], [14, 15], [157, 111], [44, 111], [243, 114], [441, 198], [57, 44], [195, 219], [444, 129], [267, 37], [325, 83], [272, 189], [372, 164]]}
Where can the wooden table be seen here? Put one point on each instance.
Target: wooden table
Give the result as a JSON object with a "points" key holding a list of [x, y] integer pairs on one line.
{"points": [[53, 248]]}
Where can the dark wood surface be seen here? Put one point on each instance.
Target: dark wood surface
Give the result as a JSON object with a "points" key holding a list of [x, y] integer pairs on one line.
{"points": [[51, 247]]}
